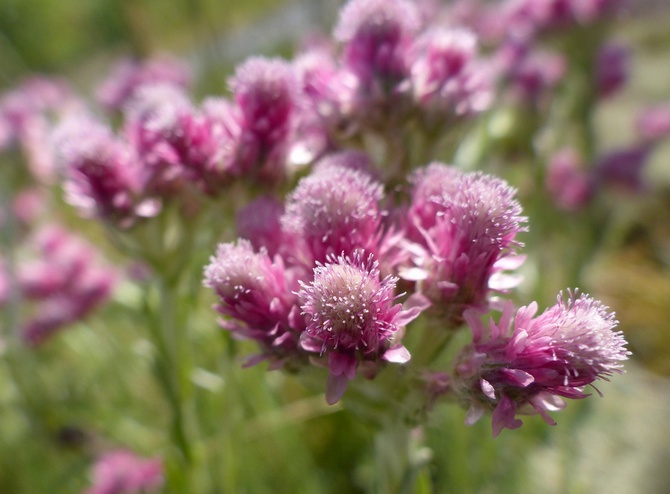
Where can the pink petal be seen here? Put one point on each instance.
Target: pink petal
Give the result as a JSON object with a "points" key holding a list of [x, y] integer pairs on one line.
{"points": [[335, 388], [503, 416], [341, 364], [397, 354]]}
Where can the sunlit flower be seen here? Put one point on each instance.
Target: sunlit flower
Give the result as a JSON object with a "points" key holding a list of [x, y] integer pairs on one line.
{"points": [[463, 229], [352, 318], [525, 364], [335, 210], [256, 295]]}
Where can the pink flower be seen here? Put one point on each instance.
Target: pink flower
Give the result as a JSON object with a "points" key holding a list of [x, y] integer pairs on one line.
{"points": [[256, 295], [567, 182], [260, 223], [654, 124], [102, 175], [266, 92], [445, 74], [352, 319], [335, 210], [624, 168], [377, 34], [123, 472], [612, 67], [177, 145], [525, 364], [64, 283], [462, 228]]}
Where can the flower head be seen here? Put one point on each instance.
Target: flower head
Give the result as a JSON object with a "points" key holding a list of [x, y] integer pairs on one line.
{"points": [[612, 68], [256, 295], [523, 363], [352, 317], [567, 182], [445, 74], [464, 226], [102, 175], [266, 92], [376, 34], [335, 210]]}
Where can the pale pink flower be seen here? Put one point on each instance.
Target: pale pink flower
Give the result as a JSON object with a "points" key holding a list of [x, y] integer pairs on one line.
{"points": [[123, 472], [567, 181], [102, 176], [653, 124], [335, 210], [525, 364], [352, 319], [462, 230], [446, 75], [256, 295]]}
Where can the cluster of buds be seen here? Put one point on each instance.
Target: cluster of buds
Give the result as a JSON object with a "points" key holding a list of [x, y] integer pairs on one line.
{"points": [[61, 284]]}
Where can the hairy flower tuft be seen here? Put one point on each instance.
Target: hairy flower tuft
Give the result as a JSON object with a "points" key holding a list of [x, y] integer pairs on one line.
{"points": [[526, 364], [352, 317]]}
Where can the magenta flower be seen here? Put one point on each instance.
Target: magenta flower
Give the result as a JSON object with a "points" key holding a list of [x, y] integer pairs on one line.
{"points": [[335, 210], [612, 67], [256, 295], [524, 364], [176, 145], [260, 223], [624, 168], [463, 229], [102, 175], [654, 124], [532, 74], [123, 472], [62, 283], [352, 319], [446, 76], [377, 34], [570, 186], [266, 92]]}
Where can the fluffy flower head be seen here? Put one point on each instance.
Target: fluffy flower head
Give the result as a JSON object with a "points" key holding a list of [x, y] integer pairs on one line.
{"points": [[525, 363]]}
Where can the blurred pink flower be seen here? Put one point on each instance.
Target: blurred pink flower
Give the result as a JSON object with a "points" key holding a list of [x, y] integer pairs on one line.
{"points": [[335, 210], [123, 472], [568, 183]]}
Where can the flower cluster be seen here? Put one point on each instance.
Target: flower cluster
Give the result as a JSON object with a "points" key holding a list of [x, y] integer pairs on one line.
{"points": [[62, 283], [351, 225]]}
